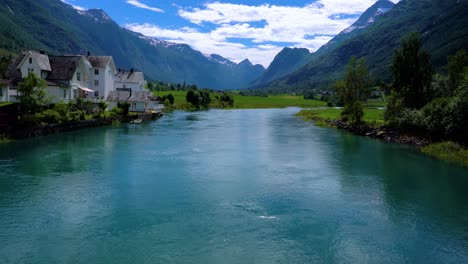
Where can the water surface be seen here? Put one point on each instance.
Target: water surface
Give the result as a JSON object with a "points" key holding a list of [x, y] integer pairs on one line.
{"points": [[240, 186]]}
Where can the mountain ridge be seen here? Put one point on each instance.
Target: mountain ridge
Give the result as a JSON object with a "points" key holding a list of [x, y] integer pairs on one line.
{"points": [[441, 25], [291, 59], [58, 28]]}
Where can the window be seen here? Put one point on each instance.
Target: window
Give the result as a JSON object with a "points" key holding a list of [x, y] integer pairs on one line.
{"points": [[1, 91], [96, 82], [78, 76], [96, 71], [96, 93], [124, 86], [64, 93], [133, 105], [30, 60]]}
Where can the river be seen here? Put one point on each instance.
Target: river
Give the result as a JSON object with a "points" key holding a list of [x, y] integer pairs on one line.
{"points": [[234, 186]]}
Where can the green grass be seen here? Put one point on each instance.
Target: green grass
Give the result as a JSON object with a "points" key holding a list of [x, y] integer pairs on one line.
{"points": [[4, 139], [375, 103], [250, 102], [274, 101], [371, 115], [4, 103], [448, 151]]}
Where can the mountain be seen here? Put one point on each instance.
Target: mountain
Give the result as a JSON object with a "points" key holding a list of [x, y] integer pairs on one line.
{"points": [[58, 28], [290, 60], [370, 16], [441, 24], [285, 62]]}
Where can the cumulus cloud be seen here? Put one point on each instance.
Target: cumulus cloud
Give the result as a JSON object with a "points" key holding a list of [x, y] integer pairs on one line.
{"points": [[268, 27], [144, 6]]}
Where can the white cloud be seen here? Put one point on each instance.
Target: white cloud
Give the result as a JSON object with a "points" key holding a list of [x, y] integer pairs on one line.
{"points": [[309, 26], [144, 6]]}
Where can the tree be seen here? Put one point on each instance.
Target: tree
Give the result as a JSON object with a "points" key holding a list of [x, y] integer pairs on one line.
{"points": [[4, 63], [205, 98], [457, 66], [193, 98], [412, 72], [31, 94], [354, 89], [170, 97]]}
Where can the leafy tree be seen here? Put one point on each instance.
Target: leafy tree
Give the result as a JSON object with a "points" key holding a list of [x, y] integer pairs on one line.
{"points": [[354, 89], [193, 98], [205, 98], [170, 97], [457, 65], [31, 94], [412, 72], [4, 62]]}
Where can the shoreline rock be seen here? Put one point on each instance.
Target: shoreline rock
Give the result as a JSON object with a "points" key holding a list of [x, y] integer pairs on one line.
{"points": [[385, 133]]}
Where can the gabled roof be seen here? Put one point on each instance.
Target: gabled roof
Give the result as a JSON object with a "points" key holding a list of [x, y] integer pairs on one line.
{"points": [[42, 60], [99, 61], [125, 76], [118, 96], [140, 96], [13, 73], [64, 67]]}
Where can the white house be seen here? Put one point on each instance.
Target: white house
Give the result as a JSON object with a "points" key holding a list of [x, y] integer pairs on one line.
{"points": [[36, 62], [129, 80], [140, 101], [69, 78], [102, 75]]}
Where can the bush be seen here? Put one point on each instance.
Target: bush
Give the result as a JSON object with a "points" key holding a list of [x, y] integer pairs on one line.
{"points": [[411, 119], [76, 115], [353, 112], [394, 108], [49, 116], [124, 108]]}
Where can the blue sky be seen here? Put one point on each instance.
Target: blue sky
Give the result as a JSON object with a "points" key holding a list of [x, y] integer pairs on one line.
{"points": [[235, 29]]}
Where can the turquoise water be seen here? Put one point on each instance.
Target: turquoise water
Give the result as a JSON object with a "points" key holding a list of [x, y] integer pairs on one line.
{"points": [[241, 186]]}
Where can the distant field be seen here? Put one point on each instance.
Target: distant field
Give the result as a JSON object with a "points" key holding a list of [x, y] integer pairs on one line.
{"points": [[375, 103], [250, 102], [371, 115]]}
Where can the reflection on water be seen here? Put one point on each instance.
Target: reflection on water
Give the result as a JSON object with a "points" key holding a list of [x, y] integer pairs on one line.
{"points": [[237, 186]]}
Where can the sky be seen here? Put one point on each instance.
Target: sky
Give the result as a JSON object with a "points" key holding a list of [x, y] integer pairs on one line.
{"points": [[235, 29]]}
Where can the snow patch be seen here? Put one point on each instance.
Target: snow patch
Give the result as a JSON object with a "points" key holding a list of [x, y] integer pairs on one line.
{"points": [[157, 42]]}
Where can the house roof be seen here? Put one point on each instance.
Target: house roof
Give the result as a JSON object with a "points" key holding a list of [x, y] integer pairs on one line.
{"points": [[99, 61], [140, 96], [118, 96], [42, 60], [64, 67], [126, 76], [13, 73]]}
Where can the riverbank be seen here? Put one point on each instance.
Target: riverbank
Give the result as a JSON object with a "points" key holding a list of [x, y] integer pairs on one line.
{"points": [[22, 131], [375, 127]]}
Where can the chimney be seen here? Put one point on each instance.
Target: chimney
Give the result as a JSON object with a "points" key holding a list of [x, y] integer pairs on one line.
{"points": [[42, 52], [89, 53], [131, 70]]}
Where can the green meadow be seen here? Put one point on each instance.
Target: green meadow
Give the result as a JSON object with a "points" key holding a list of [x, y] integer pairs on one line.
{"points": [[249, 102], [371, 115]]}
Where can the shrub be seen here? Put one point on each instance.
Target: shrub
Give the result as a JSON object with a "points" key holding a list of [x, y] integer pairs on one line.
{"points": [[75, 115], [49, 116]]}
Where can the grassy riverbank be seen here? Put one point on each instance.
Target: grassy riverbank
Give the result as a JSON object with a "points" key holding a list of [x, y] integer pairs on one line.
{"points": [[248, 102], [372, 116], [448, 151]]}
